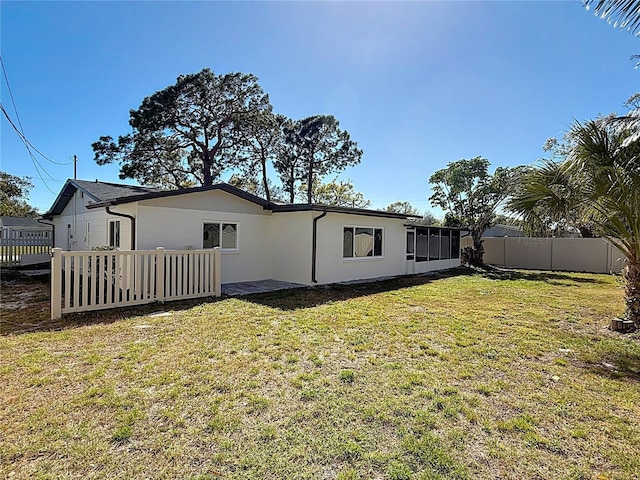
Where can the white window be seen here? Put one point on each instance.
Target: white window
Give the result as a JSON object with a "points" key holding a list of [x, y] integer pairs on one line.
{"points": [[114, 233], [362, 242], [87, 234], [219, 234]]}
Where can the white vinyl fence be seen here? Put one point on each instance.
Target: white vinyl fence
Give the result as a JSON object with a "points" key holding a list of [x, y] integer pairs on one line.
{"points": [[95, 280], [20, 244], [593, 255]]}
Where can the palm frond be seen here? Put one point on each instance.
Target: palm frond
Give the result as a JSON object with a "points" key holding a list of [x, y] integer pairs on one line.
{"points": [[623, 14]]}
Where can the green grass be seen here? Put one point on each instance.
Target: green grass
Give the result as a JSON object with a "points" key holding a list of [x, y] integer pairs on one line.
{"points": [[459, 377]]}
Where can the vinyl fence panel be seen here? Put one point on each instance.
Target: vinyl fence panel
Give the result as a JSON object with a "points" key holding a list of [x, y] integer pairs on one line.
{"points": [[84, 281], [593, 255]]}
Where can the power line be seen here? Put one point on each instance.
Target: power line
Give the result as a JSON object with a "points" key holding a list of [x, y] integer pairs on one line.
{"points": [[25, 140], [35, 162], [20, 131]]}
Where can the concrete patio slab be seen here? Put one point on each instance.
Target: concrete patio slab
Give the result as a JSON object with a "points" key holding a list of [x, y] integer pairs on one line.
{"points": [[260, 286]]}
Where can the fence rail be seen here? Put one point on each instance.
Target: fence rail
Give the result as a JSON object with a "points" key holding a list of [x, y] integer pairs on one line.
{"points": [[593, 255], [17, 244], [83, 281]]}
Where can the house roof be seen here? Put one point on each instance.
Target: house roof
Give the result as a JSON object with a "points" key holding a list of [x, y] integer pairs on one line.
{"points": [[500, 230], [20, 222], [117, 200], [111, 194], [335, 209], [96, 191]]}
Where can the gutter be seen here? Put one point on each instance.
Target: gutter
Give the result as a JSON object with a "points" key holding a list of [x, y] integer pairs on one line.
{"points": [[315, 244], [53, 231], [133, 224]]}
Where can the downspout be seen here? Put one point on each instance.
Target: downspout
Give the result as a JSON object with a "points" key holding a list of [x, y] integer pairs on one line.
{"points": [[314, 247], [53, 231], [133, 224]]}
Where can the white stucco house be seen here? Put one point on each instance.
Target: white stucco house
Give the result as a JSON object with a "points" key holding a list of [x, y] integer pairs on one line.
{"points": [[300, 243]]}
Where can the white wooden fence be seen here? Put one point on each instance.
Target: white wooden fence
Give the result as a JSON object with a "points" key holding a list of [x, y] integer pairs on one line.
{"points": [[593, 255], [95, 280], [18, 244]]}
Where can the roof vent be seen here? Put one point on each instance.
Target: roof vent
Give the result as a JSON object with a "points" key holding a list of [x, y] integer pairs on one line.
{"points": [[96, 180]]}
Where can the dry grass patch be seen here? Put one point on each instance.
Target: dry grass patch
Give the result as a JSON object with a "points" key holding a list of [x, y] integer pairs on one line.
{"points": [[508, 375]]}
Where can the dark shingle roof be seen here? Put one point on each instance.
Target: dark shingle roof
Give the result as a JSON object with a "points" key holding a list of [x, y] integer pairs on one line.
{"points": [[225, 187], [108, 194], [20, 222], [103, 190], [96, 191]]}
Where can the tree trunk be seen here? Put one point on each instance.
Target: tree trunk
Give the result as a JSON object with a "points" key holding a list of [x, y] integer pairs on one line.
{"points": [[265, 181], [477, 251], [632, 292], [292, 186], [586, 232], [310, 181], [206, 170]]}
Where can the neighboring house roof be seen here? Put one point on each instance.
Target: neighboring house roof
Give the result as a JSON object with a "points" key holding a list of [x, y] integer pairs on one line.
{"points": [[504, 231], [96, 191], [225, 187], [22, 222]]}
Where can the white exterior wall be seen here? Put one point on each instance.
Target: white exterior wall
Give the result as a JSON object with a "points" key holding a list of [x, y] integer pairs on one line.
{"points": [[177, 223], [291, 236], [331, 267], [77, 216], [270, 246], [433, 265]]}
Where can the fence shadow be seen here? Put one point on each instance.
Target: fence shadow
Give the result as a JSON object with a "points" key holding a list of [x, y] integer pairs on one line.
{"points": [[22, 313]]}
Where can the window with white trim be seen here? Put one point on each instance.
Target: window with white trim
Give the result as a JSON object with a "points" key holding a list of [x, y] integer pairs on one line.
{"points": [[114, 233], [220, 234], [362, 242]]}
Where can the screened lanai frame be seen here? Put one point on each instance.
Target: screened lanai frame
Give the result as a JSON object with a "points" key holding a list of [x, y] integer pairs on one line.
{"points": [[435, 243]]}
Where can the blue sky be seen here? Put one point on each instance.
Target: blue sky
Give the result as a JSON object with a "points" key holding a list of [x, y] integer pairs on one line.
{"points": [[417, 84]]}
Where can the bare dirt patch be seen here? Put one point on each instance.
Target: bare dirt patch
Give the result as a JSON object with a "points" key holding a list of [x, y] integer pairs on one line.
{"points": [[24, 303]]}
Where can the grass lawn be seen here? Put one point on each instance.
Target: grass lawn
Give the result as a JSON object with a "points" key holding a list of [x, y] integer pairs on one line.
{"points": [[459, 376]]}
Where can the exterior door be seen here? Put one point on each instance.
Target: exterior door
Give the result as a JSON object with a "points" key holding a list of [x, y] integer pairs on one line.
{"points": [[410, 252]]}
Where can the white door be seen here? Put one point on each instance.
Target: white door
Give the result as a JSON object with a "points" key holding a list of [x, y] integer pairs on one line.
{"points": [[411, 252]]}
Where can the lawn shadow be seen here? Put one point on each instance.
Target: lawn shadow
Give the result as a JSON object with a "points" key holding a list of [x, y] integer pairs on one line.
{"points": [[617, 364], [32, 320], [36, 317], [307, 297], [553, 278]]}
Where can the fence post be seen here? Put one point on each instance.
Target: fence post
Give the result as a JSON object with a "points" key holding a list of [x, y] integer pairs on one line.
{"points": [[10, 233], [159, 280], [216, 266], [56, 283]]}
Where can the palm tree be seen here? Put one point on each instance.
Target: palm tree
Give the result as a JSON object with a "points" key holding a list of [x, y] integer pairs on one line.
{"points": [[607, 168], [548, 201], [624, 14], [599, 182]]}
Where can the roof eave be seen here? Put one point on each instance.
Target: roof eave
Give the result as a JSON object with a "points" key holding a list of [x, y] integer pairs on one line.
{"points": [[172, 193], [62, 200], [302, 207]]}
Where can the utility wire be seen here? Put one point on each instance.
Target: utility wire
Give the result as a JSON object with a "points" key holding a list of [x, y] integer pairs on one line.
{"points": [[36, 164], [21, 131]]}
